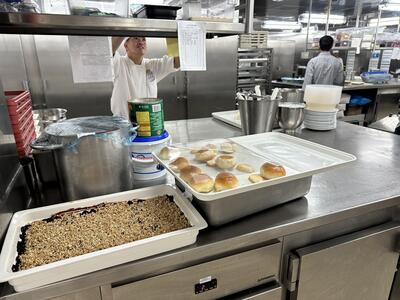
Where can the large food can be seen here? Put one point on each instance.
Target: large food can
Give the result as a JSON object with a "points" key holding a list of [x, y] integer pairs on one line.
{"points": [[149, 114]]}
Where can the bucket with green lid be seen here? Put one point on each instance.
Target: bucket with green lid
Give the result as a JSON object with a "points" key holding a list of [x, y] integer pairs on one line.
{"points": [[149, 114]]}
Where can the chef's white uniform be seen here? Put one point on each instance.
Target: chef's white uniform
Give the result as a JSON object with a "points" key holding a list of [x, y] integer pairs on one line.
{"points": [[133, 81]]}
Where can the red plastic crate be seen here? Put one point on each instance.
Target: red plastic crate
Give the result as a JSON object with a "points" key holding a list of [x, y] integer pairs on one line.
{"points": [[18, 102], [21, 117], [31, 135], [21, 129], [23, 152], [16, 119]]}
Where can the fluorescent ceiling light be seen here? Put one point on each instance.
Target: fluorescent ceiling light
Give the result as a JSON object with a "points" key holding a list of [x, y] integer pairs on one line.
{"points": [[281, 25], [384, 21], [322, 18]]}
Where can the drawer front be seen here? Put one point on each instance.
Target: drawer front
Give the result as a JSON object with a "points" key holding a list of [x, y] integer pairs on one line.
{"points": [[263, 292], [209, 280]]}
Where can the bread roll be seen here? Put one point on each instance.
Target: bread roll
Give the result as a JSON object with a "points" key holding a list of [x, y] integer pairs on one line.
{"points": [[205, 155], [225, 161], [178, 164], [167, 153], [270, 171], [188, 172], [254, 178], [201, 183], [225, 181], [227, 148], [245, 168], [211, 163]]}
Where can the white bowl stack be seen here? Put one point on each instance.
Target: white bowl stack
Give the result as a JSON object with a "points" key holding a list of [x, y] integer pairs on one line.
{"points": [[320, 120], [321, 111]]}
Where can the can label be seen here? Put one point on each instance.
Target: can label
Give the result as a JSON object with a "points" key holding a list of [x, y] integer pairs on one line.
{"points": [[149, 115]]}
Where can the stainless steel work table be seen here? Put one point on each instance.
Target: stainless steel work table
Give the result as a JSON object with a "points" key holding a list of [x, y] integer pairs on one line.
{"points": [[369, 184], [368, 90]]}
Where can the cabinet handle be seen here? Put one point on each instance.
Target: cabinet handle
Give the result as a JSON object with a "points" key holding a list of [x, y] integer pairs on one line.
{"points": [[292, 272]]}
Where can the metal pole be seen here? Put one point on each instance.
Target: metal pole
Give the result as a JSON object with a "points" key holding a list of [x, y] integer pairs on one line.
{"points": [[249, 16], [376, 30], [327, 17], [308, 23], [359, 11]]}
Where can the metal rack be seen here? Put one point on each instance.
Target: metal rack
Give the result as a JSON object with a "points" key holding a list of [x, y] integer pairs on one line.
{"points": [[255, 68], [32, 23]]}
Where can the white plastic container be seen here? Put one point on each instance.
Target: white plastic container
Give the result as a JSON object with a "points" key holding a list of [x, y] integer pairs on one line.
{"points": [[321, 97], [300, 158], [145, 167], [90, 262]]}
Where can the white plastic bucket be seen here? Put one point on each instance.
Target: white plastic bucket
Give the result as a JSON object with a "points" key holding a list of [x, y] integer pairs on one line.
{"points": [[145, 167], [321, 97]]}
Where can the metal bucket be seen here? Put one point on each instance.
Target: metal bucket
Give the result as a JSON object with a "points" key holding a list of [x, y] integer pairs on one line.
{"points": [[292, 95], [258, 113], [91, 155]]}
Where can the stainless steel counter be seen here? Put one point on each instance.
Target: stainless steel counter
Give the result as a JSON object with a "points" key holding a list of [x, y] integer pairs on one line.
{"points": [[392, 84], [370, 184]]}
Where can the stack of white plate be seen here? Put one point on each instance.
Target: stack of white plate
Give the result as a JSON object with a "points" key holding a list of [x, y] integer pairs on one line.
{"points": [[320, 120]]}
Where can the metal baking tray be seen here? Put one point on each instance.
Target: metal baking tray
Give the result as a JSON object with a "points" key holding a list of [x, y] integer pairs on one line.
{"points": [[301, 159], [90, 262]]}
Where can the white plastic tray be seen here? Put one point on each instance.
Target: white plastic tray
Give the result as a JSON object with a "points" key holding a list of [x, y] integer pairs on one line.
{"points": [[299, 157], [231, 117], [75, 266]]}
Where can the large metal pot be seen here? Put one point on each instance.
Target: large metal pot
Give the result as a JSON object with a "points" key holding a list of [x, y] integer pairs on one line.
{"points": [[91, 155]]}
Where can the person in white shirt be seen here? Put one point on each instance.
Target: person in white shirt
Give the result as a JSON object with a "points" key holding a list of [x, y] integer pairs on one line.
{"points": [[136, 76], [325, 68]]}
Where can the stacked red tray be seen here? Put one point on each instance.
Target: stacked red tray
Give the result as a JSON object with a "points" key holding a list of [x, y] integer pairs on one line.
{"points": [[21, 117]]}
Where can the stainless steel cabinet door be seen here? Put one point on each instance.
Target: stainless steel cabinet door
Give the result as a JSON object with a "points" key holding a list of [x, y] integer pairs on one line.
{"points": [[358, 266], [88, 294]]}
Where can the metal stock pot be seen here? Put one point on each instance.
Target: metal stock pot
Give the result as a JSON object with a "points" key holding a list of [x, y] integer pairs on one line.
{"points": [[91, 155]]}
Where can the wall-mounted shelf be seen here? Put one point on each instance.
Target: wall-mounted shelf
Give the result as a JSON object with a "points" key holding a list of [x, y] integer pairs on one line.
{"points": [[31, 23]]}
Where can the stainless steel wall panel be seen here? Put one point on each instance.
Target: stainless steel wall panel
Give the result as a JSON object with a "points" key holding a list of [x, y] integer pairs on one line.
{"points": [[214, 90], [81, 99], [12, 65], [33, 74], [171, 89], [284, 53]]}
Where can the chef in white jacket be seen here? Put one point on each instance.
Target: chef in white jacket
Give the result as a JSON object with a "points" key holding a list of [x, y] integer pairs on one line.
{"points": [[136, 76]]}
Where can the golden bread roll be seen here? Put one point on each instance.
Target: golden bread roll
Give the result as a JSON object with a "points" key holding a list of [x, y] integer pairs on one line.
{"points": [[178, 164], [270, 171], [205, 155], [201, 183], [254, 178], [245, 168], [225, 161], [225, 181], [188, 172]]}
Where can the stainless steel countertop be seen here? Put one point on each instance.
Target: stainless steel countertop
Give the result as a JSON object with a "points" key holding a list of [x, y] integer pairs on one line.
{"points": [[392, 84], [371, 183]]}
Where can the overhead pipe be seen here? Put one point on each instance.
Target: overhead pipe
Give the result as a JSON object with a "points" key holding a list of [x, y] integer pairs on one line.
{"points": [[249, 16]]}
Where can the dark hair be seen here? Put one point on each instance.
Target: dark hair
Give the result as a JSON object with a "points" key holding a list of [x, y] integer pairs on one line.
{"points": [[326, 43]]}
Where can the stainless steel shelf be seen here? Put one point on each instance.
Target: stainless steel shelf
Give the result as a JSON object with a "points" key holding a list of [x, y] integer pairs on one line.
{"points": [[30, 23]]}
